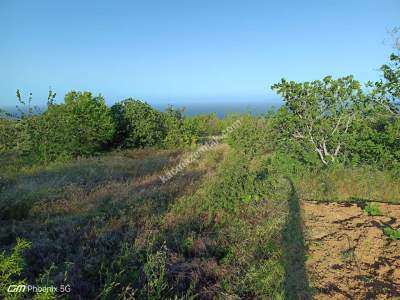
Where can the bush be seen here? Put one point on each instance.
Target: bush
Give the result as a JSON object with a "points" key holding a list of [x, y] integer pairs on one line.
{"points": [[138, 125], [11, 267], [392, 233], [376, 141], [253, 137], [81, 126], [204, 125], [373, 209], [89, 122], [8, 134], [177, 134]]}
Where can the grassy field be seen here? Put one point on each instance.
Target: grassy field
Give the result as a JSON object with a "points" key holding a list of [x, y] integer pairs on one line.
{"points": [[85, 218], [350, 184], [227, 227]]}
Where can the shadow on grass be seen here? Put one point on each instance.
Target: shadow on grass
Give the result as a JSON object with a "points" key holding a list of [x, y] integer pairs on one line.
{"points": [[296, 281]]}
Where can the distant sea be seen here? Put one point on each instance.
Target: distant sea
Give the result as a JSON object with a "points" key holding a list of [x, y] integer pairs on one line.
{"points": [[197, 108], [222, 109]]}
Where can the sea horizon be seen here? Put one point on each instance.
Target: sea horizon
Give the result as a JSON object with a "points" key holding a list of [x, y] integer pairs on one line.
{"points": [[191, 108]]}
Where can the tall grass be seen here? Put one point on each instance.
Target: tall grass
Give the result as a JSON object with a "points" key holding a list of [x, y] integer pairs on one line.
{"points": [[350, 184]]}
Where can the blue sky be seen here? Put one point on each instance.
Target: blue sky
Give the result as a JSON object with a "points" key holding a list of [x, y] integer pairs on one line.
{"points": [[187, 51]]}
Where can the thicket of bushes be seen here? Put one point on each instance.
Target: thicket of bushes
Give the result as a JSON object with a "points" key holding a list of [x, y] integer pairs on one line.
{"points": [[84, 125]]}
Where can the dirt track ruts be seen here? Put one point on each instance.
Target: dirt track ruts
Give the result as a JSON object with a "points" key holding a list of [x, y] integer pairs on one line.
{"points": [[348, 255]]}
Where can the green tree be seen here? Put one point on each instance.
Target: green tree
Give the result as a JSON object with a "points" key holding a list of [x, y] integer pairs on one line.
{"points": [[376, 136], [384, 95], [319, 114]]}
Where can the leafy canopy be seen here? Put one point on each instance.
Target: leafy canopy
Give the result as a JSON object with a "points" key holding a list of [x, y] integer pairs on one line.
{"points": [[138, 125], [320, 113]]}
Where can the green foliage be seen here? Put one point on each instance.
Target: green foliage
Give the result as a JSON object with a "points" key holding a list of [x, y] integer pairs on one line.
{"points": [[187, 245], [390, 85], [376, 136], [45, 280], [8, 134], [11, 267], [138, 125], [335, 121], [118, 276], [285, 165], [89, 122], [79, 127], [235, 181], [233, 219], [319, 114], [266, 279], [373, 209], [375, 141], [392, 233], [155, 269], [177, 134], [284, 143], [204, 125], [253, 136]]}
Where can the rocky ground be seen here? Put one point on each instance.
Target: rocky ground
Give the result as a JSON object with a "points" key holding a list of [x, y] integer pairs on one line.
{"points": [[348, 254]]}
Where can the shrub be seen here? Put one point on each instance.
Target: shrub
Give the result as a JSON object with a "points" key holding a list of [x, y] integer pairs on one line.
{"points": [[373, 209], [79, 127], [177, 134], [138, 125], [376, 141], [11, 267], [239, 180], [44, 137], [90, 122], [8, 134], [204, 125], [392, 233], [252, 137]]}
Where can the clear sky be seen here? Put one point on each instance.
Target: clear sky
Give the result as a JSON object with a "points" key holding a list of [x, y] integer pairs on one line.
{"points": [[209, 50]]}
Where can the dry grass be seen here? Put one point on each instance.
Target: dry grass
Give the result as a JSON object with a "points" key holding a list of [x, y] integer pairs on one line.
{"points": [[350, 184], [97, 220]]}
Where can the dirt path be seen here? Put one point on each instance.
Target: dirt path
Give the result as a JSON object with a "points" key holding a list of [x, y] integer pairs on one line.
{"points": [[348, 255]]}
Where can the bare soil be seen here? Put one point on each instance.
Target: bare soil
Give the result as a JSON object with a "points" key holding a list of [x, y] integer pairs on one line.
{"points": [[348, 255]]}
